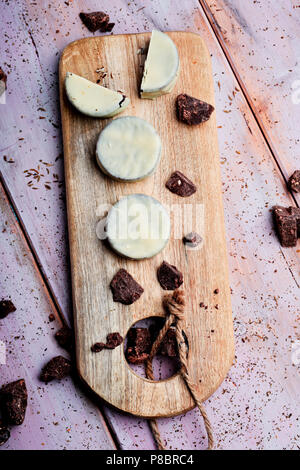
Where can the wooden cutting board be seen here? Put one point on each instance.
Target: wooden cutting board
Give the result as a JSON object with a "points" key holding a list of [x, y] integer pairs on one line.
{"points": [[193, 151]]}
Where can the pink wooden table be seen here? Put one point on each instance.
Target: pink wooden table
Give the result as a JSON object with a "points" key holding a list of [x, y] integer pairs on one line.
{"points": [[255, 53]]}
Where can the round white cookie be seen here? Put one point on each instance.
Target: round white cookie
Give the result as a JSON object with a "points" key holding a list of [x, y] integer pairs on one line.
{"points": [[128, 149], [161, 67], [138, 226], [92, 99]]}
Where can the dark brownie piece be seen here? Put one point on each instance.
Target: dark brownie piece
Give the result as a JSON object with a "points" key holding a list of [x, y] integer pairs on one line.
{"points": [[169, 277], [139, 343], [286, 226], [192, 239], [95, 20], [169, 344], [124, 288], [13, 398], [4, 433], [191, 110], [65, 338], [56, 368], [6, 307], [294, 181], [180, 184], [295, 212]]}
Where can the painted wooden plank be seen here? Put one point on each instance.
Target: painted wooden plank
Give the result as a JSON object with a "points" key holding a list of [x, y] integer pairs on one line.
{"points": [[261, 40], [248, 407], [59, 415]]}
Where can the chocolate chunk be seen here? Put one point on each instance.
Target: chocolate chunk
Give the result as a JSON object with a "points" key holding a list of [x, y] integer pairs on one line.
{"points": [[13, 398], [98, 347], [108, 28], [286, 226], [4, 433], [180, 184], [169, 344], [56, 368], [139, 343], [6, 307], [65, 338], [113, 340], [3, 81], [169, 277], [95, 20], [124, 288], [294, 182], [216, 291], [191, 110], [192, 239]]}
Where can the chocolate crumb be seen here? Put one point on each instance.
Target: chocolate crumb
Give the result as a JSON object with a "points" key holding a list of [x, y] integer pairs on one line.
{"points": [[4, 433], [113, 340], [192, 239], [51, 317], [6, 307], [95, 20], [13, 399], [294, 181], [124, 288], [65, 338], [201, 304], [169, 277], [191, 110], [179, 184], [56, 368], [216, 291], [98, 347]]}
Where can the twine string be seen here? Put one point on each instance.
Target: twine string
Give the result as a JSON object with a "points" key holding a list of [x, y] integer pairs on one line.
{"points": [[174, 306]]}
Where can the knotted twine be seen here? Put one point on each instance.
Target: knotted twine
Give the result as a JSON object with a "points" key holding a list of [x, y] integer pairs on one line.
{"points": [[174, 306]]}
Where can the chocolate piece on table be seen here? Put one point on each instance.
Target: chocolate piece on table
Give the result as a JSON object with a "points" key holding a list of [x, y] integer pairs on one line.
{"points": [[294, 182], [192, 239], [191, 110], [65, 338], [13, 399], [56, 368], [286, 226], [108, 28], [169, 344], [295, 211], [95, 20], [124, 288], [6, 307], [139, 343], [4, 433], [180, 184], [169, 277]]}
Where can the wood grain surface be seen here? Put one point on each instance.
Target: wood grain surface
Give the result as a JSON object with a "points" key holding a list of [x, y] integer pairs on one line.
{"points": [[192, 150]]}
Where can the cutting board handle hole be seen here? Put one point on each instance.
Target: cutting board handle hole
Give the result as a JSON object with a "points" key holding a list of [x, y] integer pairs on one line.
{"points": [[165, 364]]}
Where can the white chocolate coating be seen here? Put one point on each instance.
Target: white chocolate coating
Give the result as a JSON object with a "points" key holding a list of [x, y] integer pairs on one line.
{"points": [[128, 149], [138, 226], [161, 66], [92, 99]]}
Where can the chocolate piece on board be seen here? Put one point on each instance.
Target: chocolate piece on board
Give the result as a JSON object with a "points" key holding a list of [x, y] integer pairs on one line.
{"points": [[192, 239], [13, 399], [180, 185], [124, 288], [169, 277], [191, 110], [139, 343]]}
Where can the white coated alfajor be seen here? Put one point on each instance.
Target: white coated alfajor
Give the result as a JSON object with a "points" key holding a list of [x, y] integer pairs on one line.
{"points": [[128, 149], [138, 226], [161, 67], [92, 99]]}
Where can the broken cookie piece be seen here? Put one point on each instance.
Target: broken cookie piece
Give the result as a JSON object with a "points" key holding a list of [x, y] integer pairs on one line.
{"points": [[4, 433], [286, 225], [192, 239], [124, 288], [191, 110], [294, 181], [180, 185], [13, 399], [139, 343], [95, 20], [169, 277], [6, 307], [56, 368]]}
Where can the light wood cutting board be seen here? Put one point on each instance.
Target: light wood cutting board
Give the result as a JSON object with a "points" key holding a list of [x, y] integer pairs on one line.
{"points": [[193, 151]]}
